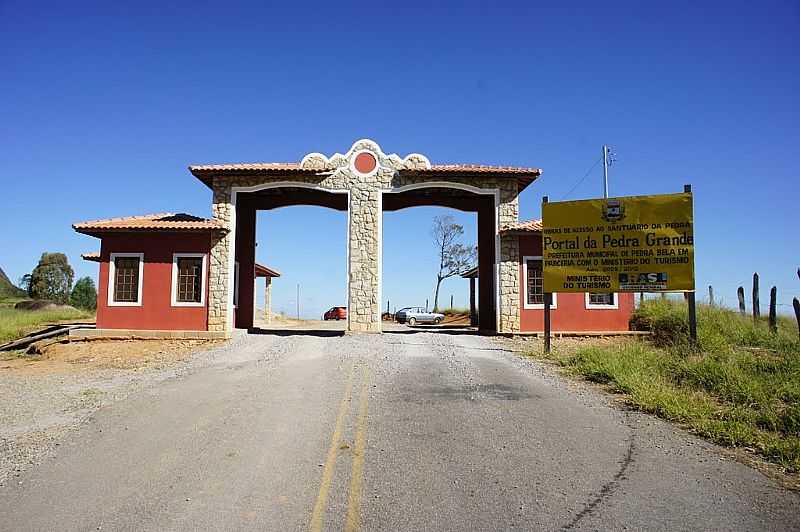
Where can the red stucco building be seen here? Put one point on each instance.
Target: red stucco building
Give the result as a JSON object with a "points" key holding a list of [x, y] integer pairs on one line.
{"points": [[569, 312], [181, 275]]}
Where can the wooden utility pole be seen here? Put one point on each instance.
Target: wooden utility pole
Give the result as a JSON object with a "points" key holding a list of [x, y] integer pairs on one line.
{"points": [[740, 295]]}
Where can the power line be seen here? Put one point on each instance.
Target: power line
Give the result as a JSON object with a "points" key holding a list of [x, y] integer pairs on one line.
{"points": [[589, 171]]}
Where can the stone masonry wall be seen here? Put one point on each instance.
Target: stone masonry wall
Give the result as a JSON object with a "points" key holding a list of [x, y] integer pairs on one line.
{"points": [[219, 281]]}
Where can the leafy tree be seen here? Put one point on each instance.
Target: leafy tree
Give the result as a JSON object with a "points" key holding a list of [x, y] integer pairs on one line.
{"points": [[84, 295], [52, 278], [454, 257], [25, 283]]}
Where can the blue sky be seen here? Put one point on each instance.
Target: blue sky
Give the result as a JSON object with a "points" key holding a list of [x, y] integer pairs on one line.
{"points": [[103, 106]]}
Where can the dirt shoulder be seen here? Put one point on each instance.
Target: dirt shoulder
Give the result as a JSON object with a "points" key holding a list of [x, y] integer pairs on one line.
{"points": [[43, 397]]}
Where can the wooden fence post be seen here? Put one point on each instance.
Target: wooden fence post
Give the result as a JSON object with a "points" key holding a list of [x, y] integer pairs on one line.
{"points": [[710, 295], [796, 305], [740, 295], [756, 306], [773, 318], [692, 316]]}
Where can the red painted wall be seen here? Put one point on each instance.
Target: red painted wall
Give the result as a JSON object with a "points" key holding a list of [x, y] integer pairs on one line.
{"points": [[571, 313], [156, 312]]}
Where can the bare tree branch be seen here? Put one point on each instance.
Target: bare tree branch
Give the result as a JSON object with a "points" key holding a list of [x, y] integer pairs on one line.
{"points": [[454, 257]]}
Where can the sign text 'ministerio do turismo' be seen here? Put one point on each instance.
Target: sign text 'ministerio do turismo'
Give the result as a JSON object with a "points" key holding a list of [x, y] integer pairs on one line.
{"points": [[630, 244]]}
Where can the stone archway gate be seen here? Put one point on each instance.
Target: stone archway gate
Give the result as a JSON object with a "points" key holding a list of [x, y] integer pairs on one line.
{"points": [[365, 181]]}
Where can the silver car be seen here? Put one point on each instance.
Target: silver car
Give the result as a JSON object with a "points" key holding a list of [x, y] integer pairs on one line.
{"points": [[414, 315]]}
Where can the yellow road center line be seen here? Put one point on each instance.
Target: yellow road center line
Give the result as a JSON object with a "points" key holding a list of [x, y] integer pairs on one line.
{"points": [[330, 461], [353, 523]]}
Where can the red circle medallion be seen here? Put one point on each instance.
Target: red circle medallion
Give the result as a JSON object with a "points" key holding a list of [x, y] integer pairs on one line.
{"points": [[365, 162]]}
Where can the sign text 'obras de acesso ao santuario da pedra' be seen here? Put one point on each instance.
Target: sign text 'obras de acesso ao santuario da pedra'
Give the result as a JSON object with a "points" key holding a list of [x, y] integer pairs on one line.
{"points": [[628, 244]]}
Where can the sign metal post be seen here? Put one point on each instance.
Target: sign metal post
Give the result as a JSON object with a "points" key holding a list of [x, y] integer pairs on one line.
{"points": [[547, 298], [691, 300]]}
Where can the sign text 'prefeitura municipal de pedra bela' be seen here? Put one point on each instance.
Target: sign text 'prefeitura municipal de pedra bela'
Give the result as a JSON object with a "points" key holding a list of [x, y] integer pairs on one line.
{"points": [[628, 244]]}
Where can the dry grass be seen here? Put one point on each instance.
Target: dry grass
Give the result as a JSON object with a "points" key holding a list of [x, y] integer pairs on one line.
{"points": [[17, 323]]}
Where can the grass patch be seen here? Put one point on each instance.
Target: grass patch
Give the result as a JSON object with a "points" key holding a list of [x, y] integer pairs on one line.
{"points": [[741, 388], [9, 302], [455, 311], [17, 323]]}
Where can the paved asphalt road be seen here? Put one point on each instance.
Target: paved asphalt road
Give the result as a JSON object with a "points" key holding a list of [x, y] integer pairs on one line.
{"points": [[395, 432]]}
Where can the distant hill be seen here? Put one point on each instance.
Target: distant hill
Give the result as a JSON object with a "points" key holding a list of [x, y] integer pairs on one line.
{"points": [[7, 288]]}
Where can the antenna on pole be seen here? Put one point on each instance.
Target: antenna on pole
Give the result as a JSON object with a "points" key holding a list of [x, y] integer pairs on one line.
{"points": [[608, 160]]}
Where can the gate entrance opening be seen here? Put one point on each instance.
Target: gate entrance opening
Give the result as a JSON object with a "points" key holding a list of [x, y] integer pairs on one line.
{"points": [[464, 199]]}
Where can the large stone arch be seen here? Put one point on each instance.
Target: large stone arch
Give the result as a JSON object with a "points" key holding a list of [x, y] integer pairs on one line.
{"points": [[365, 174]]}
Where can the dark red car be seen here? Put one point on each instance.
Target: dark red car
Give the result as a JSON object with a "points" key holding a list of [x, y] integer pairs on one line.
{"points": [[335, 313]]}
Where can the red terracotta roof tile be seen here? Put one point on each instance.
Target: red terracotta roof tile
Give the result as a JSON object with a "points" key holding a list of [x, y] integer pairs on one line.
{"points": [[234, 167], [529, 226], [149, 222], [205, 172], [481, 169], [92, 256], [435, 168], [263, 271]]}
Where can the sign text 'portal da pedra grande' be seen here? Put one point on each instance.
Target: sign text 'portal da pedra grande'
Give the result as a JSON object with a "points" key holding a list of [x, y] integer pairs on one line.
{"points": [[627, 244]]}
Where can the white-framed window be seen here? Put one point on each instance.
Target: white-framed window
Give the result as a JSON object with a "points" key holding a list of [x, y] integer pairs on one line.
{"points": [[533, 281], [125, 275], [188, 279], [235, 285], [596, 300]]}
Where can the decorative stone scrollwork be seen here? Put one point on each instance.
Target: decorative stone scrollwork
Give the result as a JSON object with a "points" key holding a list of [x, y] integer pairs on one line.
{"points": [[318, 161]]}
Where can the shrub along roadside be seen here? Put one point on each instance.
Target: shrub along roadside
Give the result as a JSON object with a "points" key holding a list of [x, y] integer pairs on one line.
{"points": [[740, 389]]}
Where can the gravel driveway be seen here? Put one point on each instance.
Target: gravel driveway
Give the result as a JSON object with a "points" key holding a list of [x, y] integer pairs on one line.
{"points": [[401, 431]]}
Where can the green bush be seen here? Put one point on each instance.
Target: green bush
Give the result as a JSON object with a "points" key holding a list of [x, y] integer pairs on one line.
{"points": [[666, 320], [84, 295]]}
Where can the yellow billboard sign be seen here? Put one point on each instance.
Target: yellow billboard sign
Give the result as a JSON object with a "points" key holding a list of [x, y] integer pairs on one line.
{"points": [[628, 244]]}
